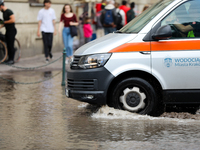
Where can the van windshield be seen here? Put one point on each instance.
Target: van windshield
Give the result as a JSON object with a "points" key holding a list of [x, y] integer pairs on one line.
{"points": [[144, 18]]}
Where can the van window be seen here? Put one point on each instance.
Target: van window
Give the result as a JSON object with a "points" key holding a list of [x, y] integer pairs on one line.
{"points": [[143, 19], [184, 20]]}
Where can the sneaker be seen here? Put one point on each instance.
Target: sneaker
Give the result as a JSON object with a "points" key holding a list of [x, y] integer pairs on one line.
{"points": [[70, 60], [47, 61], [10, 62], [66, 61]]}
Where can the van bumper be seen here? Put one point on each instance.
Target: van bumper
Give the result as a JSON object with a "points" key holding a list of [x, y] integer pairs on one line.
{"points": [[89, 85]]}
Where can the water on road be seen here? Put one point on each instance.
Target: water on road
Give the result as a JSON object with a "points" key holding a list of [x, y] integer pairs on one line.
{"points": [[40, 116]]}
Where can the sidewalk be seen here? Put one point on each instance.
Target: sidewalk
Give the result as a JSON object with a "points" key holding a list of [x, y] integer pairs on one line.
{"points": [[35, 61]]}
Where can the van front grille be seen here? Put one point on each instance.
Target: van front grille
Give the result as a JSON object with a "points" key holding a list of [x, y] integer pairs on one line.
{"points": [[82, 84]]}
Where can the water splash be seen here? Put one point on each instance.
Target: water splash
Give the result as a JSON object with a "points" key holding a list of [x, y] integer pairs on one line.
{"points": [[106, 112], [84, 105]]}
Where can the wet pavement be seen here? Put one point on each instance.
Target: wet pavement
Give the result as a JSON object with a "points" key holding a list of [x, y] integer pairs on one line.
{"points": [[40, 116]]}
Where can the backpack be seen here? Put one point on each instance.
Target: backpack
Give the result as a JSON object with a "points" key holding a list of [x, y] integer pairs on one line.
{"points": [[119, 21], [108, 20]]}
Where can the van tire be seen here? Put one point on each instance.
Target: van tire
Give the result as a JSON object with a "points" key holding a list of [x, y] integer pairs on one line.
{"points": [[135, 95]]}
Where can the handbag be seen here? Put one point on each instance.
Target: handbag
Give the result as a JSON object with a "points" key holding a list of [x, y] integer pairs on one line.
{"points": [[73, 31]]}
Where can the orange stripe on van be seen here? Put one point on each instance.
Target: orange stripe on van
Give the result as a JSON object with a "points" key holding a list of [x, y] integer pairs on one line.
{"points": [[158, 46], [175, 45], [131, 47]]}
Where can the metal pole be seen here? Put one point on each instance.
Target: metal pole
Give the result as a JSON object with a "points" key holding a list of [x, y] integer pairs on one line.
{"points": [[63, 70]]}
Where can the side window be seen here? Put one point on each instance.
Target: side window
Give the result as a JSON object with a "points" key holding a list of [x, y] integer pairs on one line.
{"points": [[184, 20]]}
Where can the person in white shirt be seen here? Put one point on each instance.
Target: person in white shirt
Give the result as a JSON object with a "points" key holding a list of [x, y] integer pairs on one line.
{"points": [[47, 26]]}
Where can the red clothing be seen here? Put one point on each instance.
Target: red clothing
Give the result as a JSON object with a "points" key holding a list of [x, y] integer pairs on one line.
{"points": [[98, 7], [125, 9], [87, 29], [66, 20]]}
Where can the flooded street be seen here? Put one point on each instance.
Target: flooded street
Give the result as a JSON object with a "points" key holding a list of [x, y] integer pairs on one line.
{"points": [[40, 116]]}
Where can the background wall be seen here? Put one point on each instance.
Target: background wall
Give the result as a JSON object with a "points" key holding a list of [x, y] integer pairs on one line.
{"points": [[26, 22]]}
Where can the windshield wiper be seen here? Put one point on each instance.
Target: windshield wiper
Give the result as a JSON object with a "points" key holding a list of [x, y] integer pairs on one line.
{"points": [[123, 32], [118, 31]]}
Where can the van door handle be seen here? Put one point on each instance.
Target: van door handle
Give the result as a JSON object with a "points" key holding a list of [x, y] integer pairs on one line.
{"points": [[145, 53]]}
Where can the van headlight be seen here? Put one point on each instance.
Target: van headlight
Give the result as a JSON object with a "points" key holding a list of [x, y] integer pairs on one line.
{"points": [[93, 61]]}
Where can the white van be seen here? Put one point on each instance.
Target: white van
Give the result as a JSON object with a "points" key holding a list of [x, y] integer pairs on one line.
{"points": [[152, 61]]}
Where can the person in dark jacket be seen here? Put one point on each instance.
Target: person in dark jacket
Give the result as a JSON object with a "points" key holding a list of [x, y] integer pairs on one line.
{"points": [[131, 13], [9, 24]]}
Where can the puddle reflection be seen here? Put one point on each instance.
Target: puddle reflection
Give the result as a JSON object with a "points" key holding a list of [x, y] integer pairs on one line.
{"points": [[39, 116]]}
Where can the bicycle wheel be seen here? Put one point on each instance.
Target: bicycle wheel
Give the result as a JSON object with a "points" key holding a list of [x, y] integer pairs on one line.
{"points": [[3, 52], [17, 50]]}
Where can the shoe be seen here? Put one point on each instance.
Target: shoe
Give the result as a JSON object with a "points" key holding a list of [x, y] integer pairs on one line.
{"points": [[47, 61], [66, 61], [50, 55], [70, 60], [10, 62]]}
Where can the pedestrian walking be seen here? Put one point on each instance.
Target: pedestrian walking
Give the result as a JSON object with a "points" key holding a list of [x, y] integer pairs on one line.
{"points": [[108, 17], [131, 13], [68, 18], [125, 8], [87, 29], [47, 26], [9, 23], [120, 21]]}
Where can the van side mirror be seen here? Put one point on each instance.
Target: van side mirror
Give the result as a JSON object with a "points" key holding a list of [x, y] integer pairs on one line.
{"points": [[163, 33]]}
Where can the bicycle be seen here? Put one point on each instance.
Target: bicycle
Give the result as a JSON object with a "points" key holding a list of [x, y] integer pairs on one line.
{"points": [[4, 50]]}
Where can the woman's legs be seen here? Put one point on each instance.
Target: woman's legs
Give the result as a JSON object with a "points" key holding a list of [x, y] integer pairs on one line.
{"points": [[68, 41], [70, 45], [64, 34]]}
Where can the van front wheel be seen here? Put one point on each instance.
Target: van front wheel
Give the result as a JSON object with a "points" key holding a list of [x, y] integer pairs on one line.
{"points": [[135, 95]]}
